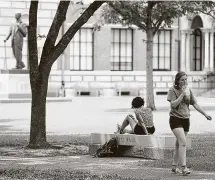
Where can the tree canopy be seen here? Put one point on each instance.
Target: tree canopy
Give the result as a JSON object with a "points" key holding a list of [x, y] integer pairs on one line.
{"points": [[151, 16], [162, 13]]}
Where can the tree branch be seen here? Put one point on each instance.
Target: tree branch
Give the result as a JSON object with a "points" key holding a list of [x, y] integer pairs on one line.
{"points": [[156, 28], [158, 24], [65, 40], [136, 20], [32, 38], [59, 18], [208, 13], [163, 16]]}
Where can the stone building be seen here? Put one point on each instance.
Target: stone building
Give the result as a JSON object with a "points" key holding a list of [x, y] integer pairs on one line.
{"points": [[111, 61]]}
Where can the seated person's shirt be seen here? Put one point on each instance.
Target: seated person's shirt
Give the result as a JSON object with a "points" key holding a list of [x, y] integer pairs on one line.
{"points": [[146, 115], [182, 110]]}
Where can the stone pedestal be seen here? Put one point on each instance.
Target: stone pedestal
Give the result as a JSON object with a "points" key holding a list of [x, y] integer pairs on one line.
{"points": [[14, 83]]}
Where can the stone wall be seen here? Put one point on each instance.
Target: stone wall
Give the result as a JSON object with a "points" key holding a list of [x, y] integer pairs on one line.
{"points": [[133, 81]]}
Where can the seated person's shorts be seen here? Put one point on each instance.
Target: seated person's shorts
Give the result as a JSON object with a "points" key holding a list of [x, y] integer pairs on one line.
{"points": [[139, 130], [176, 122]]}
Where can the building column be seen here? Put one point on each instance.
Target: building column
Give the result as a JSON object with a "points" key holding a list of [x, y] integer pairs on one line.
{"points": [[183, 50], [188, 49], [206, 59], [211, 64]]}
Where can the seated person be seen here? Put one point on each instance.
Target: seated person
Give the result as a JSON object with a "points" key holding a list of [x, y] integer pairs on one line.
{"points": [[143, 123]]}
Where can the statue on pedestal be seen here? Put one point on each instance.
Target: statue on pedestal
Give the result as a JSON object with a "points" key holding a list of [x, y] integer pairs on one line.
{"points": [[18, 31]]}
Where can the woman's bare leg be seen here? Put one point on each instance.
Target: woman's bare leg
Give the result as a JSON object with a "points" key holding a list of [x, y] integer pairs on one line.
{"points": [[129, 120], [176, 154], [180, 150]]}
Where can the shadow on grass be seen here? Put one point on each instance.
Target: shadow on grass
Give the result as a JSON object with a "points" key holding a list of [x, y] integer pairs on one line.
{"points": [[61, 145], [22, 140]]}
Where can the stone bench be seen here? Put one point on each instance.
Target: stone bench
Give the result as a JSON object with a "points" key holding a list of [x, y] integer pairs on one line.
{"points": [[147, 146]]}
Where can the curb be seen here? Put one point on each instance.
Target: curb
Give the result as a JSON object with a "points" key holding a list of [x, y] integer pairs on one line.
{"points": [[5, 101]]}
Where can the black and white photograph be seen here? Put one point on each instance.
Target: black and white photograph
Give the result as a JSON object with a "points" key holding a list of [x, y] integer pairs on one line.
{"points": [[107, 90]]}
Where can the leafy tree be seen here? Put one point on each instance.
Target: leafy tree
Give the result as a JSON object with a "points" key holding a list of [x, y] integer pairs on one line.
{"points": [[39, 72], [150, 16], [204, 7]]}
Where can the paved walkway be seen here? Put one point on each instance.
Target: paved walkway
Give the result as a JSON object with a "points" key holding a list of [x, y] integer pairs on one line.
{"points": [[84, 115], [160, 101], [126, 167]]}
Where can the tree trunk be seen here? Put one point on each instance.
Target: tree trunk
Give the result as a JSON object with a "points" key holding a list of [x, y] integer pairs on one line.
{"points": [[38, 111], [149, 70]]}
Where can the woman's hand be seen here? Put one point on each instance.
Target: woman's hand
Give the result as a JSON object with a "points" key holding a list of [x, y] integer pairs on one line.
{"points": [[198, 108], [185, 91], [208, 117]]}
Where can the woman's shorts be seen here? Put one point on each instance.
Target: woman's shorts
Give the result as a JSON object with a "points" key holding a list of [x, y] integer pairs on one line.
{"points": [[139, 130], [176, 122]]}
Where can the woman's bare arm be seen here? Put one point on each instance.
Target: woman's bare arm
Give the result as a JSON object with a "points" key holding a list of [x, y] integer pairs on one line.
{"points": [[199, 109], [141, 122], [176, 102]]}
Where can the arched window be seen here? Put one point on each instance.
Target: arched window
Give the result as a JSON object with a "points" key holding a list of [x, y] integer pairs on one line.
{"points": [[197, 50], [197, 22]]}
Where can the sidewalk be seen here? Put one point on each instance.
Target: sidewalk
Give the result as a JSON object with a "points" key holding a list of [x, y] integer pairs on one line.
{"points": [[101, 115], [27, 100], [160, 101], [125, 167]]}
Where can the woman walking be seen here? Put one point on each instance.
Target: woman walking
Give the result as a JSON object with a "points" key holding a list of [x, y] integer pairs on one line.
{"points": [[180, 97]]}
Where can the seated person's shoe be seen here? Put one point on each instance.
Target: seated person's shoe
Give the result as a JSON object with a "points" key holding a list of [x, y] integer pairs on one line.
{"points": [[121, 131], [118, 130]]}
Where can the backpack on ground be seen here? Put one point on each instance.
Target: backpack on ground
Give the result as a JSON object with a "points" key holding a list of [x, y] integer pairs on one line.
{"points": [[109, 149]]}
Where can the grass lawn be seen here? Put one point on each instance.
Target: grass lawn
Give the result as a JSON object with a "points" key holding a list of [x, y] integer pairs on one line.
{"points": [[202, 159], [31, 174]]}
